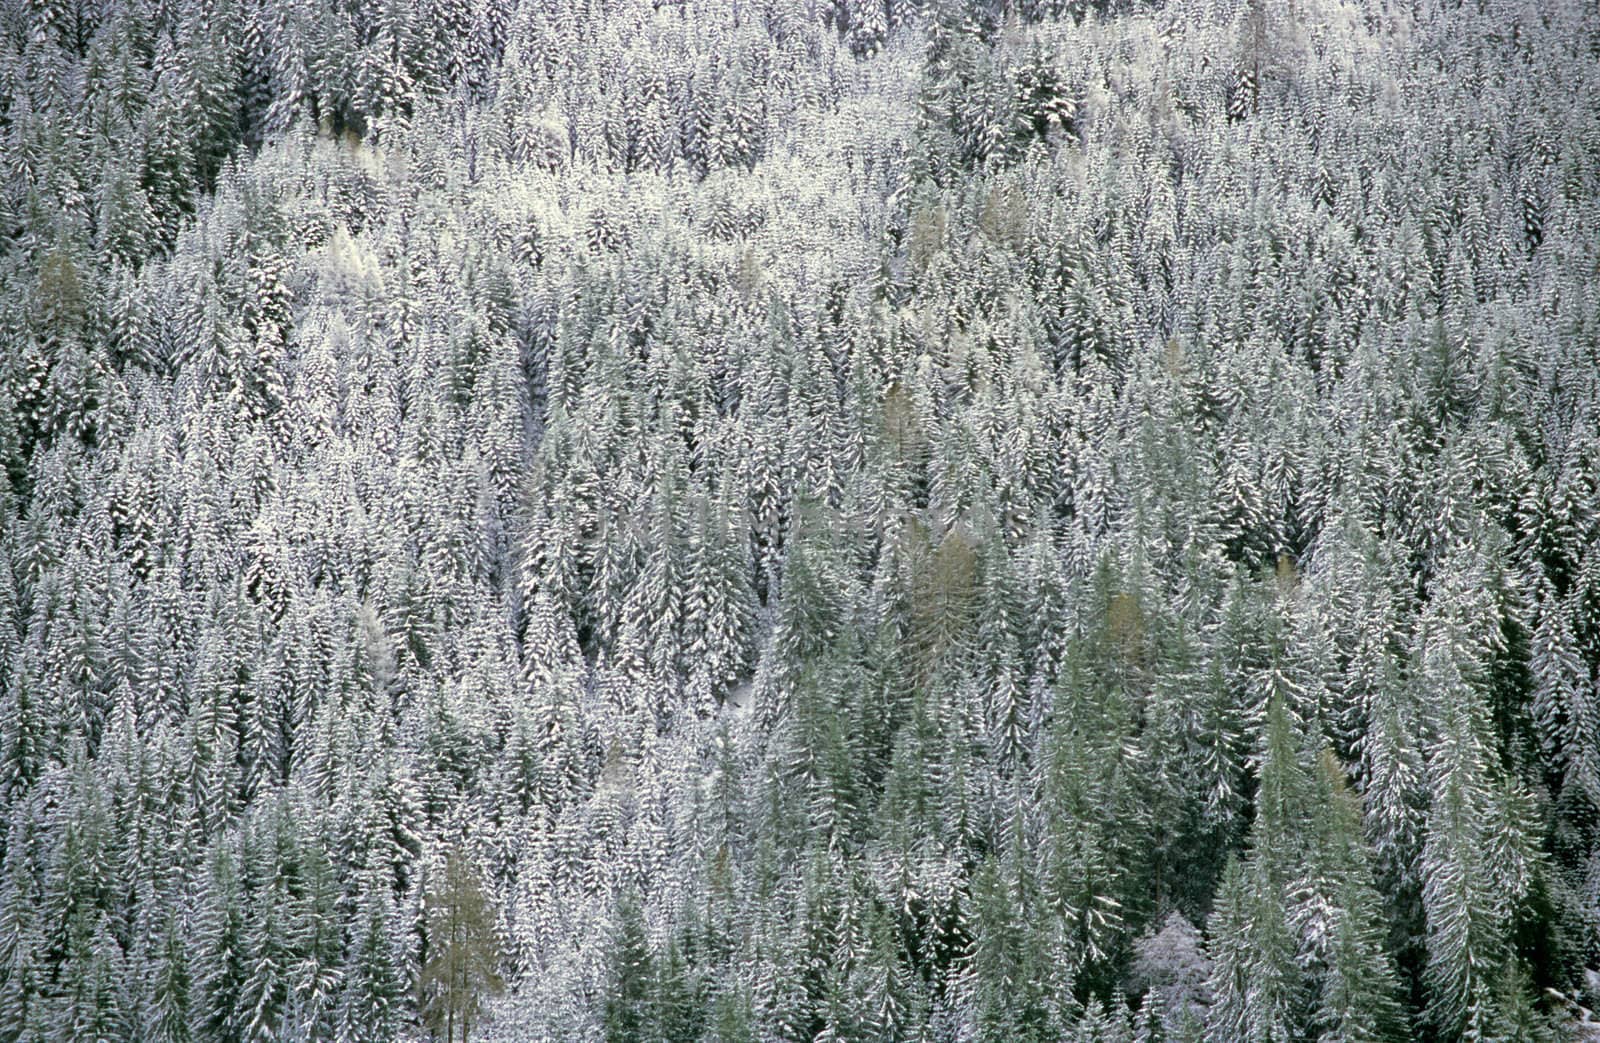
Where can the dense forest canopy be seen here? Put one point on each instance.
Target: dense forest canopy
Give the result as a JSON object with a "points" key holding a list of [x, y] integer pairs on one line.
{"points": [[740, 520]]}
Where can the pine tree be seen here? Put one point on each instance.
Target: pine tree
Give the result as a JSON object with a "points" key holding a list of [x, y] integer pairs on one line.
{"points": [[1003, 964], [316, 941], [721, 607], [461, 965], [224, 955], [373, 998], [22, 976], [171, 1006], [264, 992], [680, 1007], [629, 1010], [86, 1004], [1466, 930], [1299, 945]]}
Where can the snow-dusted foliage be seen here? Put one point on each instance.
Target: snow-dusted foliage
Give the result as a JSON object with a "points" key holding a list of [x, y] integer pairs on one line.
{"points": [[729, 520]]}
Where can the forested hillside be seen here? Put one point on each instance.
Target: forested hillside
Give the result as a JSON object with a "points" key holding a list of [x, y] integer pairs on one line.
{"points": [[732, 520]]}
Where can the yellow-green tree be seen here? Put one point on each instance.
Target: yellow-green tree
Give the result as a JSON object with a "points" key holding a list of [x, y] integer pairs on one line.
{"points": [[461, 958]]}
